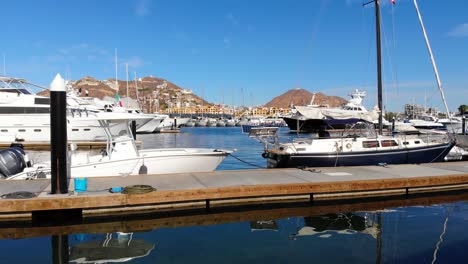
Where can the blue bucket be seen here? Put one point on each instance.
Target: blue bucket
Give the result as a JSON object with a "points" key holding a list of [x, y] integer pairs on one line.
{"points": [[81, 184]]}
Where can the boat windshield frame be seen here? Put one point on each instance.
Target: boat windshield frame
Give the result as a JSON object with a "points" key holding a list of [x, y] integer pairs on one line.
{"points": [[111, 139], [18, 85]]}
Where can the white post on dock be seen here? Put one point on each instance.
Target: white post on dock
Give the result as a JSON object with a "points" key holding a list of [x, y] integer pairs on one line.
{"points": [[58, 135]]}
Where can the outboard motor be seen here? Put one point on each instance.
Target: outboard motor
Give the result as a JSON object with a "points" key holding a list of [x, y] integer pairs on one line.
{"points": [[12, 161]]}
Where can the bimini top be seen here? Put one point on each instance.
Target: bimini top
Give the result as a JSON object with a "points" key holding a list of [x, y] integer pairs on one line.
{"points": [[18, 85]]}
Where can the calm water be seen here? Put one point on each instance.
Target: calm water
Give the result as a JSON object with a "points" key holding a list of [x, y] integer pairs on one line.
{"points": [[393, 234]]}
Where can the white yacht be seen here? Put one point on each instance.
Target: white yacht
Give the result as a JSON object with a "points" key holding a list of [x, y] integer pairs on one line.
{"points": [[25, 116], [91, 103], [426, 123], [317, 117], [452, 124]]}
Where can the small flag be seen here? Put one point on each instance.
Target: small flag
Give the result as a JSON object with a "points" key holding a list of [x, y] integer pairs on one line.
{"points": [[117, 98]]}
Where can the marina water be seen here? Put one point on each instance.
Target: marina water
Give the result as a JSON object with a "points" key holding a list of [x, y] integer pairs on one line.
{"points": [[424, 231]]}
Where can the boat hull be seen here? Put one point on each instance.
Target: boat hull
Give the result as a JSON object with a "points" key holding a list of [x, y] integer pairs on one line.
{"points": [[434, 153], [154, 161], [163, 161]]}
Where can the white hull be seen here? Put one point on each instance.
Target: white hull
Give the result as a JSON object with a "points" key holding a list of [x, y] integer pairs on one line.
{"points": [[150, 126], [36, 128], [155, 161]]}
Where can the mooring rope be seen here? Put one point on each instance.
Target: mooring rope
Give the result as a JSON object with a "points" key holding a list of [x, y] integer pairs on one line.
{"points": [[246, 162], [18, 195], [138, 189]]}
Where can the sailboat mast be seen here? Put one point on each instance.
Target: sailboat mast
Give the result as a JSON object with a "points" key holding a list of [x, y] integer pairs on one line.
{"points": [[379, 64], [436, 72]]}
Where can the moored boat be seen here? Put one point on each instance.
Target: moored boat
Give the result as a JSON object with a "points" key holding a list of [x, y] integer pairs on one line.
{"points": [[356, 151], [121, 157]]}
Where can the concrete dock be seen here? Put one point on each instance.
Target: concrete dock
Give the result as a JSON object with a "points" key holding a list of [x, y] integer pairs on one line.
{"points": [[221, 188]]}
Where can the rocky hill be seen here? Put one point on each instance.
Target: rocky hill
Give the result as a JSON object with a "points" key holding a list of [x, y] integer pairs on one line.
{"points": [[149, 89], [300, 96]]}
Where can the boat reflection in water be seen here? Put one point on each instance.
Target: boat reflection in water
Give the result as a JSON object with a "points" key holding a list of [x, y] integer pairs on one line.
{"points": [[344, 223], [121, 248], [263, 225]]}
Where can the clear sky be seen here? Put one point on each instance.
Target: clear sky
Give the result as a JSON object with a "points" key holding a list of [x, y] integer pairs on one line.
{"points": [[244, 50]]}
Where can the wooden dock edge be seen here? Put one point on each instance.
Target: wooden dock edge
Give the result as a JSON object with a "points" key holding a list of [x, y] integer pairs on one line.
{"points": [[222, 216], [320, 190]]}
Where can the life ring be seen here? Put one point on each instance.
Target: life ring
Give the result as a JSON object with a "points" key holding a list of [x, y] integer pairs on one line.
{"points": [[348, 146]]}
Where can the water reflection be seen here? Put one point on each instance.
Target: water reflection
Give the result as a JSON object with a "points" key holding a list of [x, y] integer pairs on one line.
{"points": [[415, 230], [263, 225], [118, 247], [325, 226]]}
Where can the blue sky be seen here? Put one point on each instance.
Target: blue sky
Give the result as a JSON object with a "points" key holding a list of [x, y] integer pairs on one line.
{"points": [[243, 50]]}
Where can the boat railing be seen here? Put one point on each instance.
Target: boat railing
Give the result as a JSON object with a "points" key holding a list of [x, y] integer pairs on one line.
{"points": [[266, 135]]}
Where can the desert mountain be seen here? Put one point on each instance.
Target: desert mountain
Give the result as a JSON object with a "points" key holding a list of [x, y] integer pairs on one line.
{"points": [[300, 96], [150, 89]]}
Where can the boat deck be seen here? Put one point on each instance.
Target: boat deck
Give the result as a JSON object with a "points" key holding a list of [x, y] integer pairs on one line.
{"points": [[241, 186]]}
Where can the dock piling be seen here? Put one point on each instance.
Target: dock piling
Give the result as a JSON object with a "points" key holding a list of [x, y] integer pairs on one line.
{"points": [[58, 135]]}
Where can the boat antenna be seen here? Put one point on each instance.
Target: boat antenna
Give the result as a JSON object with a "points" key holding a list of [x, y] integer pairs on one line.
{"points": [[379, 62], [116, 82], [126, 70], [136, 92], [434, 66]]}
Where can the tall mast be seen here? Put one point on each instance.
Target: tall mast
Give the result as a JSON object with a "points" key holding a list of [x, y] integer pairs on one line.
{"points": [[436, 72], [379, 62]]}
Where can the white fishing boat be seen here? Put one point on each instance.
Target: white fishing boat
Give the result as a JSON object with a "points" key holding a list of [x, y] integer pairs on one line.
{"points": [[121, 157]]}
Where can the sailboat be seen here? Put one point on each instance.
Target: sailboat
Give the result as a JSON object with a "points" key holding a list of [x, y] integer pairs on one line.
{"points": [[359, 150]]}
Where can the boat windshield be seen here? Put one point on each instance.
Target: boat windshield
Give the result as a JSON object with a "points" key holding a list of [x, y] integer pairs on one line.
{"points": [[18, 91]]}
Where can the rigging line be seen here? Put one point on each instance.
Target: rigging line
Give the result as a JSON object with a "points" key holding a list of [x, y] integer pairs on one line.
{"points": [[389, 57], [396, 84], [313, 35], [369, 44]]}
